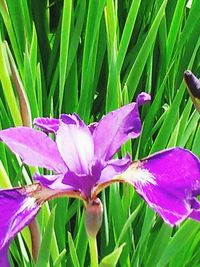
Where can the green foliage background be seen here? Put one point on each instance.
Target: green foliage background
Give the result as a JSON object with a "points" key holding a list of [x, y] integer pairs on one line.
{"points": [[90, 57]]}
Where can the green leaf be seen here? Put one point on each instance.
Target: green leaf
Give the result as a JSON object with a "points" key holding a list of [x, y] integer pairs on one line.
{"points": [[127, 32], [127, 225], [162, 239], [7, 86], [112, 259], [44, 252], [178, 241], [94, 17], [4, 181], [138, 66], [64, 46], [72, 250], [174, 28], [61, 256]]}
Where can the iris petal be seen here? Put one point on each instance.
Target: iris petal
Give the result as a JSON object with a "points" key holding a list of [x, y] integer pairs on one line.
{"points": [[34, 147], [54, 182], [117, 127], [76, 147], [17, 210], [72, 119], [111, 173], [49, 125], [195, 215], [167, 181], [114, 167], [78, 185], [4, 257]]}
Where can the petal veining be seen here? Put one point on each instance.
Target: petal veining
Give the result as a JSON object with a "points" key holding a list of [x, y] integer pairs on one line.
{"points": [[117, 127], [167, 181], [49, 125], [54, 182], [34, 147], [76, 147], [17, 210]]}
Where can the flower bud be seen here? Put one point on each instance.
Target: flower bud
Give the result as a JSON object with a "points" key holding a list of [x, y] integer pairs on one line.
{"points": [[93, 217], [193, 86]]}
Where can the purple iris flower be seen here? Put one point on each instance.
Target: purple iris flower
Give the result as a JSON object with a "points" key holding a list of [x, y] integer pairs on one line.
{"points": [[81, 158]]}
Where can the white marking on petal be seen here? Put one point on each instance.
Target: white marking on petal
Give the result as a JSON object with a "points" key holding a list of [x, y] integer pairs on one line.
{"points": [[144, 176], [136, 174], [28, 204], [85, 147]]}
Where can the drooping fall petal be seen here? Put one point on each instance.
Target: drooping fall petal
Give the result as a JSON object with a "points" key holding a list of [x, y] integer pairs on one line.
{"points": [[4, 257], [117, 127], [168, 181], [34, 147], [17, 210]]}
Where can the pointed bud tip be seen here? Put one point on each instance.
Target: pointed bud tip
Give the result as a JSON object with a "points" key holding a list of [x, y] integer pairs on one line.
{"points": [[193, 83], [187, 73], [143, 98]]}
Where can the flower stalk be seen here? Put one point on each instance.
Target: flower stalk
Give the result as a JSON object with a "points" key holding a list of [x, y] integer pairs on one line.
{"points": [[93, 251], [93, 221]]}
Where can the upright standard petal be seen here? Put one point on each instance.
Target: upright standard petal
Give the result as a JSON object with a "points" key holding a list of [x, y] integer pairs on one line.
{"points": [[72, 119], [34, 147], [49, 125], [17, 210], [117, 127], [168, 181], [76, 146]]}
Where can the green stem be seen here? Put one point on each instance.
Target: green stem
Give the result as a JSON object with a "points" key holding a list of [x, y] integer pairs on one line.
{"points": [[93, 251]]}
